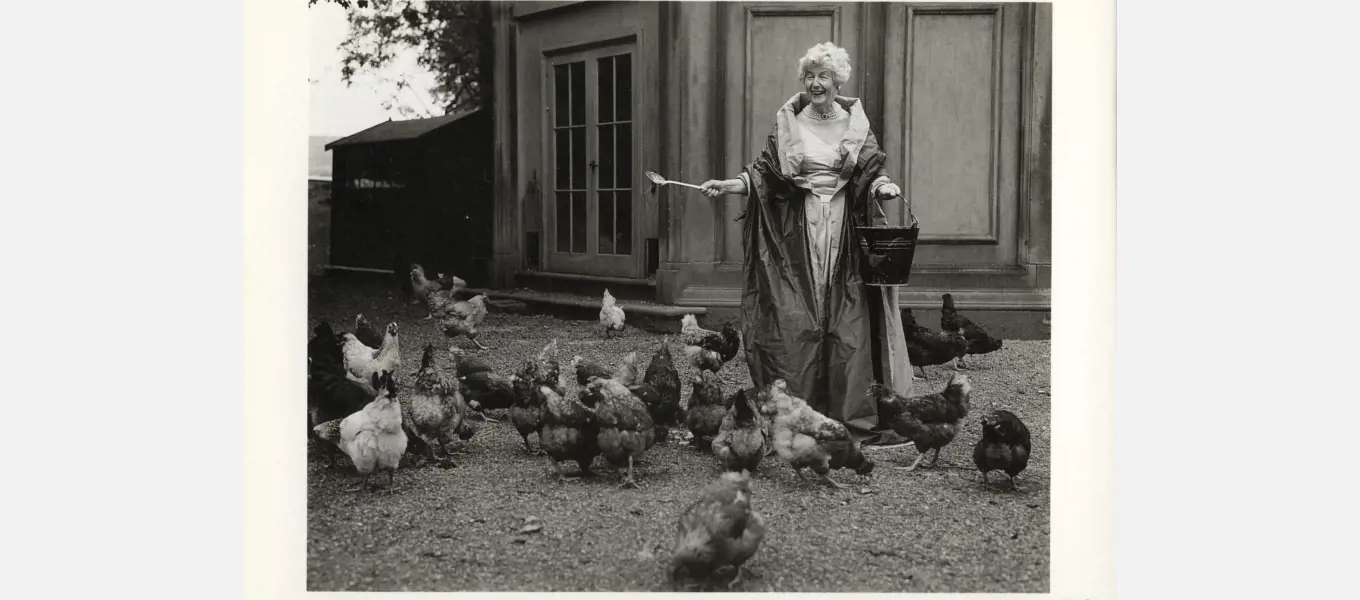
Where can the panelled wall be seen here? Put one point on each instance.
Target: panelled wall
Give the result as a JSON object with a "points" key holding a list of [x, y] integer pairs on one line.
{"points": [[958, 95]]}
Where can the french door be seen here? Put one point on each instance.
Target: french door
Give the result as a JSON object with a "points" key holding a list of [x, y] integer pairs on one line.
{"points": [[589, 206]]}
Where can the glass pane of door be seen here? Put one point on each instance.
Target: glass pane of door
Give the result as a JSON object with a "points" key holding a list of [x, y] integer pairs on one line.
{"points": [[570, 157], [614, 130]]}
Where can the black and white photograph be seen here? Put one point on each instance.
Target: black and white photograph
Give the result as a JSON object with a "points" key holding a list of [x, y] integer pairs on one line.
{"points": [[679, 296]]}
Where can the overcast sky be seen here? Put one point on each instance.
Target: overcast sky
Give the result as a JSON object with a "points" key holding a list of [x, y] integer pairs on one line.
{"points": [[337, 110]]}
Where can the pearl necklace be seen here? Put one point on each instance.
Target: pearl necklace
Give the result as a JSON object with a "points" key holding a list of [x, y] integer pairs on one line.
{"points": [[817, 116]]}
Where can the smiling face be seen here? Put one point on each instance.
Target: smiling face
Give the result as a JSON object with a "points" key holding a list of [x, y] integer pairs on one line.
{"points": [[820, 85]]}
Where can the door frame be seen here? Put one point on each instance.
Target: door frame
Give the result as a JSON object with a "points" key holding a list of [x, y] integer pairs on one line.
{"points": [[590, 262]]}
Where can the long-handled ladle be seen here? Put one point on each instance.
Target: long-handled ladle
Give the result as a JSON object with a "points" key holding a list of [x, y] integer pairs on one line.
{"points": [[659, 180]]}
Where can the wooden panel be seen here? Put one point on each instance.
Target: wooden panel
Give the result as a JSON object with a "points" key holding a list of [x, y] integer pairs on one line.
{"points": [[1036, 170], [764, 43], [953, 128]]}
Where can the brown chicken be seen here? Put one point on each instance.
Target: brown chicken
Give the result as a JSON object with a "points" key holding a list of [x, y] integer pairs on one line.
{"points": [[625, 430], [464, 318], [469, 363], [741, 441], [807, 439], [930, 421], [662, 376], [719, 532], [422, 287], [433, 408], [706, 409], [979, 341], [926, 348], [567, 432]]}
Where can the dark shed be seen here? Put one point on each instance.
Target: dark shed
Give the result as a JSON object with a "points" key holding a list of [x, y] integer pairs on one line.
{"points": [[418, 190]]}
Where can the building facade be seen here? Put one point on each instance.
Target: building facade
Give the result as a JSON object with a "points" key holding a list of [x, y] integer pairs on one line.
{"points": [[596, 93]]}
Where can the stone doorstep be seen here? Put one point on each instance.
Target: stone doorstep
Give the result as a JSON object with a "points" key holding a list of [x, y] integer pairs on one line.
{"points": [[584, 302]]}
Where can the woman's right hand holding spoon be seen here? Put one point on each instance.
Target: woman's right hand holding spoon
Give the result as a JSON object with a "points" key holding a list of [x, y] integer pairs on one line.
{"points": [[717, 187]]}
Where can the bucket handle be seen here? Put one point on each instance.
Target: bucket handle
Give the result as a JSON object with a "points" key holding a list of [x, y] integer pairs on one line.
{"points": [[912, 217]]}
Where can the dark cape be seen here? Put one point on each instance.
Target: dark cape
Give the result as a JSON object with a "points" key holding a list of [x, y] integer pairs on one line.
{"points": [[829, 363]]}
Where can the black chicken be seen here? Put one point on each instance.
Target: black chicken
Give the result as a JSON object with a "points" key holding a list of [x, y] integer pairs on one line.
{"points": [[927, 348], [469, 364], [324, 348], [588, 369], [367, 335], [979, 341], [709, 350], [664, 380], [930, 421], [1004, 445]]}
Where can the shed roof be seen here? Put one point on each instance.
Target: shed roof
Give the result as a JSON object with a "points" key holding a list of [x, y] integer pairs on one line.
{"points": [[409, 129]]}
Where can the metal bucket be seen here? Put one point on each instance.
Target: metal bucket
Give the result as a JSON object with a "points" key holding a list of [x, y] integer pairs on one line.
{"points": [[888, 251]]}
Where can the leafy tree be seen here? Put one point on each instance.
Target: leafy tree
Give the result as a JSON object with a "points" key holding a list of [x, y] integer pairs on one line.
{"points": [[453, 40]]}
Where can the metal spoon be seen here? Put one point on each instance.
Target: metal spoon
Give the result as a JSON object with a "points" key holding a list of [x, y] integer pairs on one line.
{"points": [[659, 180]]}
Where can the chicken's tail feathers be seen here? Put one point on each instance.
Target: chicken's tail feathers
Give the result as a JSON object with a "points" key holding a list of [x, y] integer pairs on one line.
{"points": [[958, 383], [693, 351], [689, 321]]}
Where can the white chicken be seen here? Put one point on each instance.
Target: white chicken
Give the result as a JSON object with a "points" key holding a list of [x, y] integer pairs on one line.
{"points": [[611, 315], [362, 361], [372, 438]]}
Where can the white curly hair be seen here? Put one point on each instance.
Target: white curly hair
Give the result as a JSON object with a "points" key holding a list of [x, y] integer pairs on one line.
{"points": [[826, 55]]}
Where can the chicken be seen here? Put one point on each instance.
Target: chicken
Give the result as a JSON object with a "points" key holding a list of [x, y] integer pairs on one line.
{"points": [[930, 421], [324, 347], [709, 350], [441, 302], [469, 363], [718, 532], [434, 409], [420, 286], [526, 414], [588, 369], [706, 409], [806, 438], [979, 341], [567, 432], [463, 319], [611, 315], [488, 390], [625, 429], [366, 333], [927, 348], [664, 379], [363, 361], [1004, 445], [373, 438], [331, 396], [741, 441]]}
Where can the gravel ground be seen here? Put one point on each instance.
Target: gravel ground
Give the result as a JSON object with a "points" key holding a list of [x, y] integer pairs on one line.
{"points": [[457, 529]]}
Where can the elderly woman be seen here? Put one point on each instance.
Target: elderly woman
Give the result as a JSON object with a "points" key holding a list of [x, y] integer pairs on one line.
{"points": [[807, 315]]}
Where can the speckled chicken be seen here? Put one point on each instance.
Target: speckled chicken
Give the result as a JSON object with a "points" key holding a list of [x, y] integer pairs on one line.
{"points": [[567, 432], [930, 421], [625, 429], [807, 439], [664, 379], [717, 533], [1004, 446], [526, 414], [741, 441], [611, 315], [363, 361], [979, 341], [441, 303], [373, 438], [705, 410], [433, 408], [463, 319], [366, 333], [709, 350], [927, 348]]}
